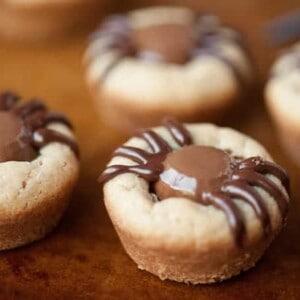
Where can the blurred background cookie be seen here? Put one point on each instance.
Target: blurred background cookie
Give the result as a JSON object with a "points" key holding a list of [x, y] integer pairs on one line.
{"points": [[35, 20], [195, 203], [282, 94], [165, 60]]}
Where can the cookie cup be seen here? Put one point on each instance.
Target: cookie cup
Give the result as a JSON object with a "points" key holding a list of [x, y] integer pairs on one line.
{"points": [[36, 194], [284, 110], [282, 93], [132, 92], [182, 240]]}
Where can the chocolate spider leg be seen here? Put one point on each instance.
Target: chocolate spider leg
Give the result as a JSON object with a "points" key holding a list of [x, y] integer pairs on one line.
{"points": [[156, 143], [116, 24], [105, 41], [178, 132], [118, 20], [111, 172], [44, 136], [266, 167], [143, 171], [8, 100], [139, 156], [113, 35], [28, 108], [234, 217], [41, 118], [259, 180], [54, 117], [36, 120], [241, 190]]}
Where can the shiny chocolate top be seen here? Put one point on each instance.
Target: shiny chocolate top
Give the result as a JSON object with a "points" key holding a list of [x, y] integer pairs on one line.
{"points": [[193, 170], [14, 138], [23, 128], [205, 174], [168, 42]]}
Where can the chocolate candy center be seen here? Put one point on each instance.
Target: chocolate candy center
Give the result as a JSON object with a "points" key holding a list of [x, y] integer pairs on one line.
{"points": [[167, 42], [14, 139], [192, 170]]}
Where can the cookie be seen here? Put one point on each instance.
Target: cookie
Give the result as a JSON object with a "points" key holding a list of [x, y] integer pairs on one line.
{"points": [[35, 20], [195, 203], [38, 169], [165, 61], [282, 94]]}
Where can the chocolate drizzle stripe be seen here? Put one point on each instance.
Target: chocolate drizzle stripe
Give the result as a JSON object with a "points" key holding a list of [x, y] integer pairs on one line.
{"points": [[116, 33], [224, 203], [266, 167], [36, 120], [239, 189], [42, 118], [179, 133], [28, 108], [143, 171], [43, 137], [114, 170], [118, 24], [259, 180], [135, 154], [156, 143], [53, 117], [159, 148]]}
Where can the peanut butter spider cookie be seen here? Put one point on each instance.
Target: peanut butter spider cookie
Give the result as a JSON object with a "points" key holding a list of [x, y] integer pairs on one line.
{"points": [[282, 95], [165, 60], [195, 203], [38, 169], [32, 20]]}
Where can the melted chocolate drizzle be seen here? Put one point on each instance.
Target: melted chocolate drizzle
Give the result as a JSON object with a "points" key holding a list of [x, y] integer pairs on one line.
{"points": [[179, 133], [208, 45], [245, 175], [116, 32], [45, 136], [36, 117]]}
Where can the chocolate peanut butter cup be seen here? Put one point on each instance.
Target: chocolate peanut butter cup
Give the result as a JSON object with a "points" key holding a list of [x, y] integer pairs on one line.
{"points": [[181, 196]]}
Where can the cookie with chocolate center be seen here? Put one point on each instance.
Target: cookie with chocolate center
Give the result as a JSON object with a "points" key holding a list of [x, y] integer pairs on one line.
{"points": [[195, 203], [165, 60], [38, 166]]}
